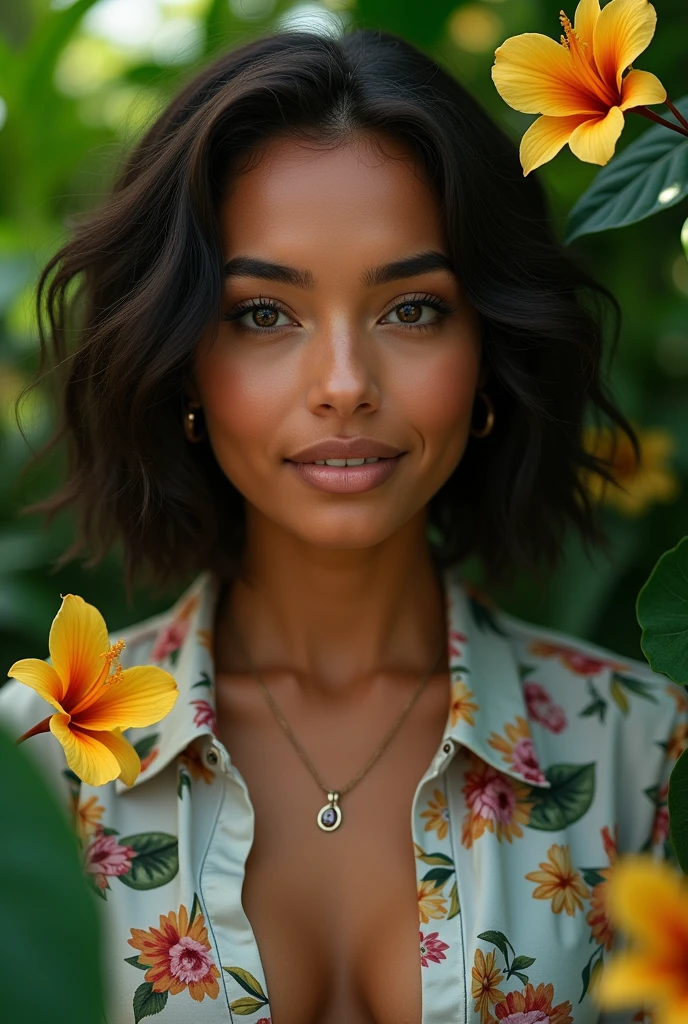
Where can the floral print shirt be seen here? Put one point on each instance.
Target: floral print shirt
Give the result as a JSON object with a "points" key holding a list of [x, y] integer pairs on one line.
{"points": [[554, 761]]}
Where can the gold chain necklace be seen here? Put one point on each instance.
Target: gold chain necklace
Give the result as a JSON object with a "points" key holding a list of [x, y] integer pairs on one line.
{"points": [[330, 816]]}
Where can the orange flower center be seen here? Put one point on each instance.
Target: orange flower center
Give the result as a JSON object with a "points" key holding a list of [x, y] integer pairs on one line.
{"points": [[584, 63]]}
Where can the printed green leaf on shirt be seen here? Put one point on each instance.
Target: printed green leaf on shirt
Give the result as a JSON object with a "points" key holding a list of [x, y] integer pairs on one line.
{"points": [[147, 1002], [571, 794], [156, 862]]}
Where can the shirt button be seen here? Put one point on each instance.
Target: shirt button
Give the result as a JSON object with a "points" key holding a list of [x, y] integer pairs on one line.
{"points": [[211, 757], [447, 748]]}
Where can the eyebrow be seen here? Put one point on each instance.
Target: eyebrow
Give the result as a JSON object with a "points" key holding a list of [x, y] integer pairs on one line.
{"points": [[409, 266]]}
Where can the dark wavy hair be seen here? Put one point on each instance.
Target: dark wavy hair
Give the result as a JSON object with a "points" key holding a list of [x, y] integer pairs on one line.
{"points": [[124, 303]]}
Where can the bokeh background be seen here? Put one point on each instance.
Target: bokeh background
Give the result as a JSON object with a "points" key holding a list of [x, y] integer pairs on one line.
{"points": [[80, 80]]}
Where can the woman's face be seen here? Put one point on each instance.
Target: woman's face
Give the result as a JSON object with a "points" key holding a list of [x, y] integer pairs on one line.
{"points": [[327, 336]]}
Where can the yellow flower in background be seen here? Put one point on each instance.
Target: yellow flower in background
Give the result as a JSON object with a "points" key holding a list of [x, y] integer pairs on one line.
{"points": [[652, 481], [648, 900], [578, 84], [94, 698]]}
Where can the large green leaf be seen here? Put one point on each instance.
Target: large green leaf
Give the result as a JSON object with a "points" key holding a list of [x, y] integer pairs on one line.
{"points": [[49, 917], [573, 788], [650, 175], [677, 803], [662, 610], [156, 861]]}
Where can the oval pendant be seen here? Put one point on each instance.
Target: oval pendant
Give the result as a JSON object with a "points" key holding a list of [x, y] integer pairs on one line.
{"points": [[330, 816]]}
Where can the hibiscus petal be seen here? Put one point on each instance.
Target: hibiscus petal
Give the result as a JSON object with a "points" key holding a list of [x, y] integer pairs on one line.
{"points": [[41, 677], [594, 141], [139, 697], [587, 13], [623, 30], [545, 137], [650, 903], [639, 88], [535, 74], [78, 639], [633, 978], [89, 759], [127, 758]]}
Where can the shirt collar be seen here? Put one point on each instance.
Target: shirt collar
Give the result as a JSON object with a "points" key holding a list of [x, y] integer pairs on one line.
{"points": [[487, 713]]}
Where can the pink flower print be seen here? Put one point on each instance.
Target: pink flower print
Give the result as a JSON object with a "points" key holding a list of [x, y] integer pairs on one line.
{"points": [[170, 640], [494, 801], [660, 825], [456, 638], [431, 948], [105, 857], [543, 709], [189, 960], [524, 760], [204, 715]]}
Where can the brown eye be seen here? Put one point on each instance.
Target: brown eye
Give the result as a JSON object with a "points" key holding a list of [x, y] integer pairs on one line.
{"points": [[409, 312], [265, 316]]}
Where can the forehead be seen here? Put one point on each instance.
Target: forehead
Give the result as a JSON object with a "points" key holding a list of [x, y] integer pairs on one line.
{"points": [[357, 195]]}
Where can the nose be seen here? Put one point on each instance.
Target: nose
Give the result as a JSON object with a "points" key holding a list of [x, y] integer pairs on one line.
{"points": [[342, 371]]}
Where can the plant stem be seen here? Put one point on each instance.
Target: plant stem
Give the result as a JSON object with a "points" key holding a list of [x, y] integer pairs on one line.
{"points": [[43, 726], [677, 113], [645, 112]]}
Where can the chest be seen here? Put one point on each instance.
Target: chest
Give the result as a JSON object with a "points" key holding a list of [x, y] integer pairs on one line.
{"points": [[335, 914]]}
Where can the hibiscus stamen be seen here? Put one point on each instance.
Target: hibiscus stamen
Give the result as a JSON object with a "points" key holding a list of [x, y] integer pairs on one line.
{"points": [[579, 55], [113, 652]]}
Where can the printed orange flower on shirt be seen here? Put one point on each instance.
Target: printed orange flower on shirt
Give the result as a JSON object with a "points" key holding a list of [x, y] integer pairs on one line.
{"points": [[88, 817], [462, 705], [94, 698], [178, 955], [559, 882], [578, 85], [431, 902], [438, 815], [598, 917], [496, 803], [533, 1004], [578, 662], [486, 977]]}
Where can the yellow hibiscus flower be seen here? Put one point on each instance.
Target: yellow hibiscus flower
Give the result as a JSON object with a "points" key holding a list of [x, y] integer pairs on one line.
{"points": [[94, 698], [578, 85]]}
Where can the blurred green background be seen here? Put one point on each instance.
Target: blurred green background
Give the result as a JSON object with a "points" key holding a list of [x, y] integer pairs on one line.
{"points": [[79, 81]]}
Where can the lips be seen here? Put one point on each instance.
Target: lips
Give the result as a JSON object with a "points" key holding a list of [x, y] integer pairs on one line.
{"points": [[345, 448], [347, 479]]}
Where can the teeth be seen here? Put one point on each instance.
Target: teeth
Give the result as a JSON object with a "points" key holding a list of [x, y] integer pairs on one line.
{"points": [[343, 462]]}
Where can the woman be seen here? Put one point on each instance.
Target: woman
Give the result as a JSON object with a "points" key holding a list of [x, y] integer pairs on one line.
{"points": [[328, 347]]}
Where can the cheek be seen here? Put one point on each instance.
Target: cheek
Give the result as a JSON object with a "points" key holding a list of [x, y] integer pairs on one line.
{"points": [[244, 401], [439, 398]]}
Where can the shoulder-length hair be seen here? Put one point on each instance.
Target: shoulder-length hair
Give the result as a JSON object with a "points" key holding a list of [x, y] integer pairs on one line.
{"points": [[148, 267]]}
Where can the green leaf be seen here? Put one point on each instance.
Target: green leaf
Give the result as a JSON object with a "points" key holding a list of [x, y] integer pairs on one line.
{"points": [[677, 803], [571, 794], [499, 940], [147, 1002], [246, 1005], [247, 982], [454, 907], [649, 176], [195, 908], [156, 862], [521, 961], [436, 858], [205, 680], [484, 618], [662, 611], [644, 690], [438, 875], [184, 783], [592, 877], [523, 978], [144, 746], [134, 961]]}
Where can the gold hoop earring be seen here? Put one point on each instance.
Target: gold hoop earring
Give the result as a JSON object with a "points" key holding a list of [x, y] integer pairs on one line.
{"points": [[489, 419], [192, 427]]}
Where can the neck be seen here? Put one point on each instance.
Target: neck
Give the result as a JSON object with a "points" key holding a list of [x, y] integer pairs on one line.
{"points": [[333, 616]]}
